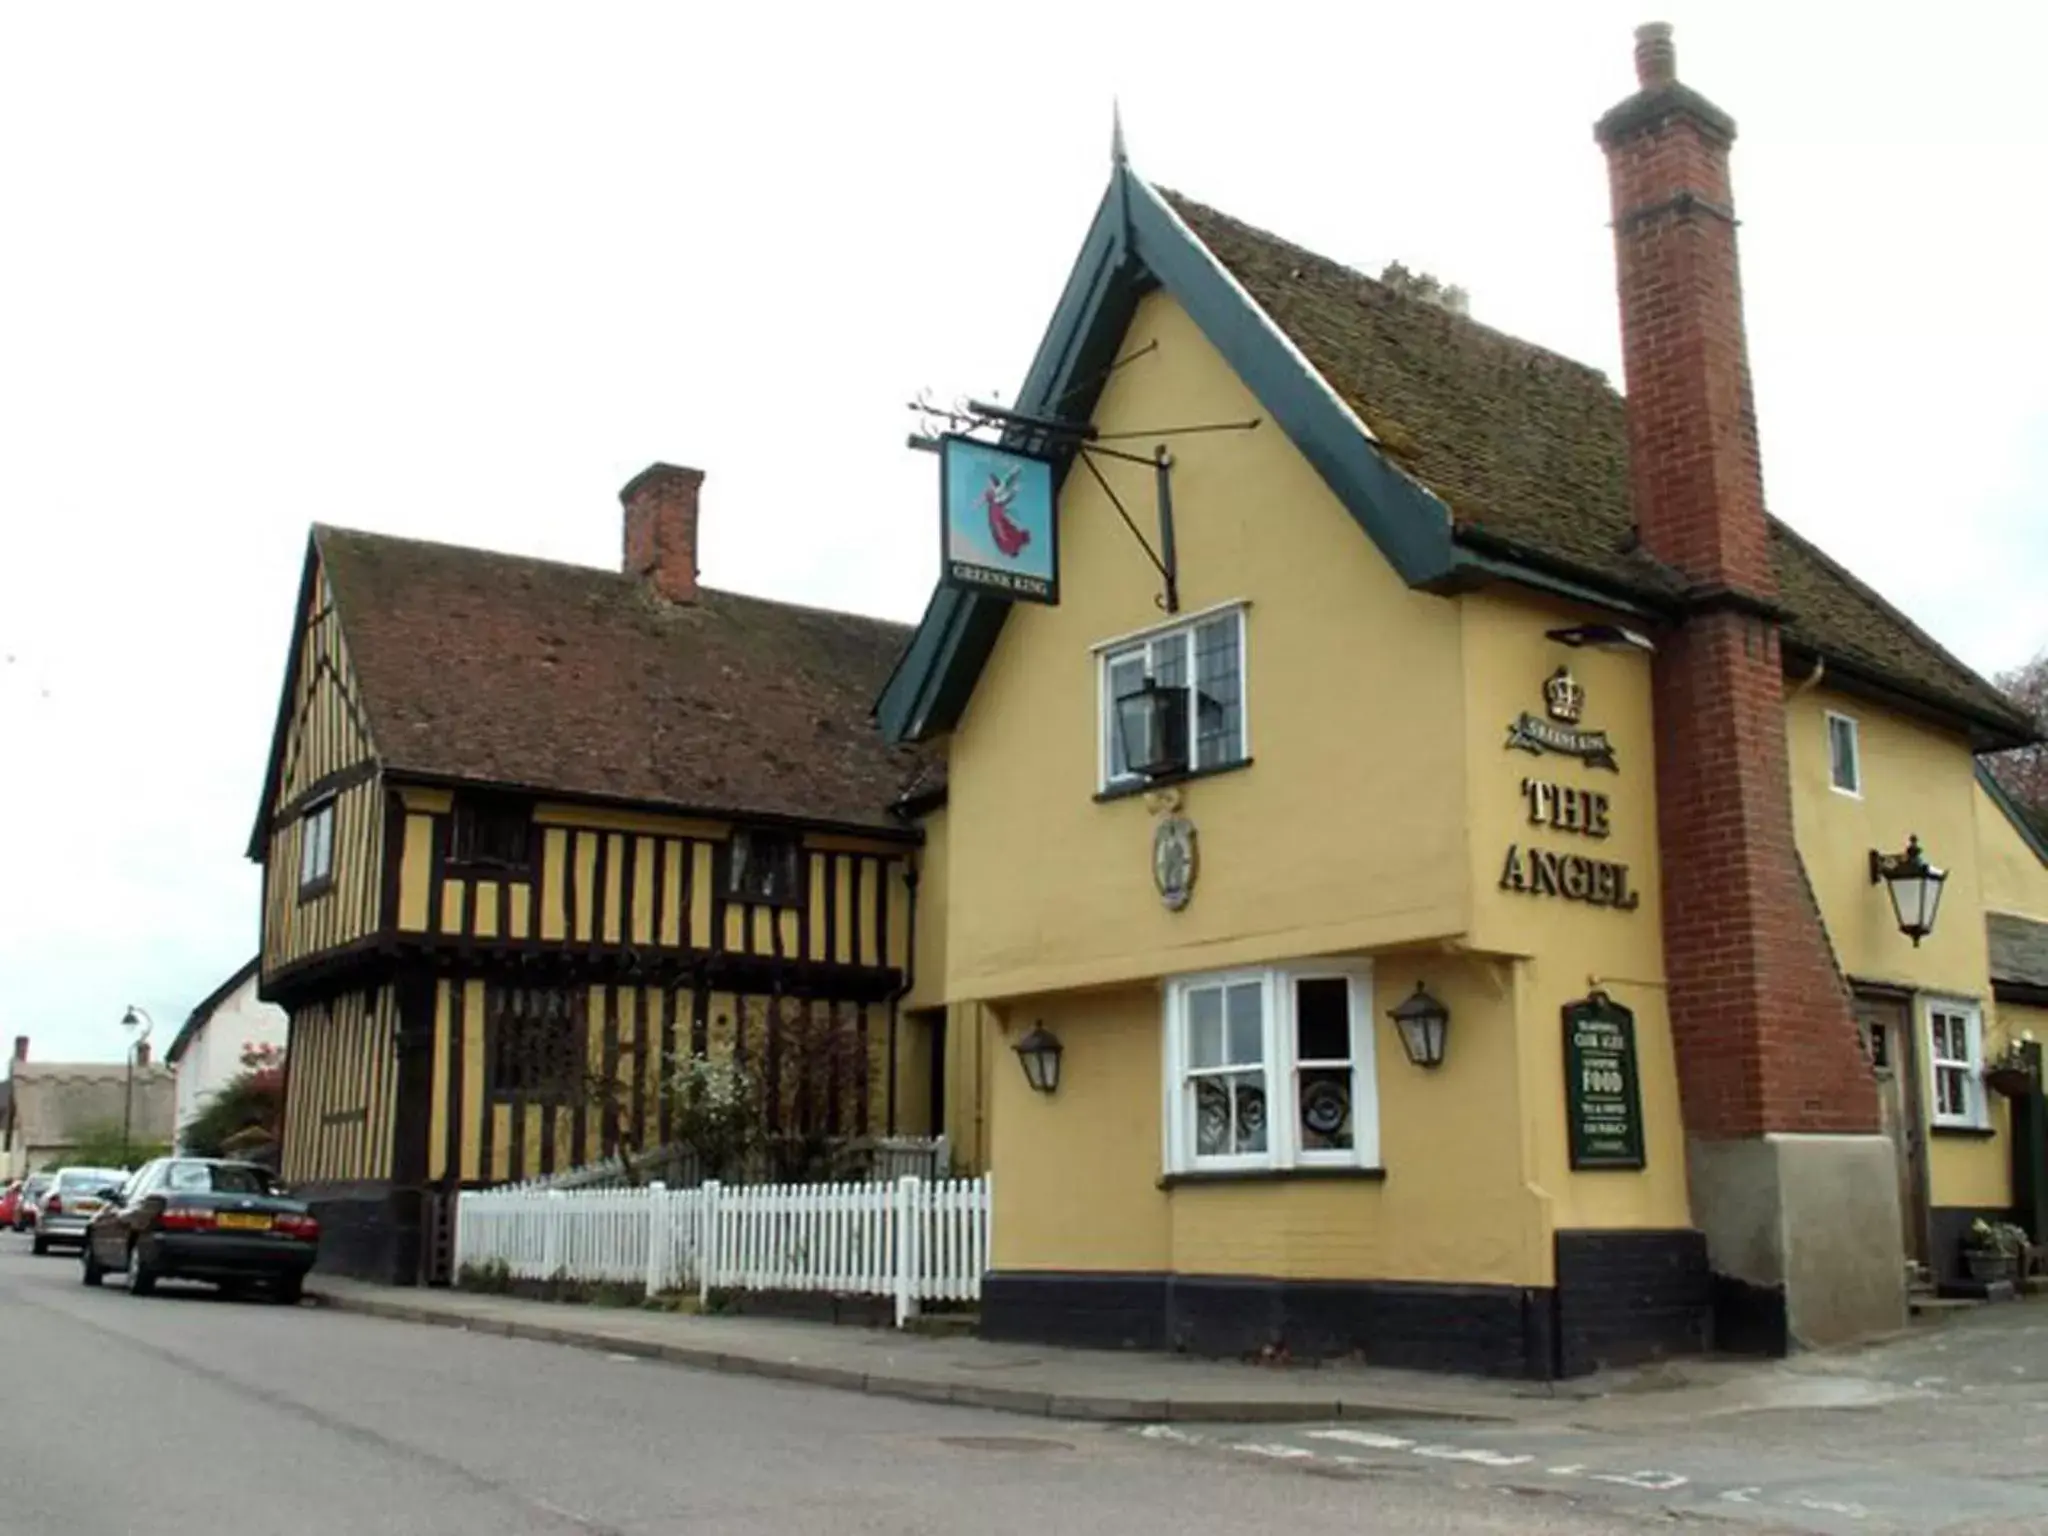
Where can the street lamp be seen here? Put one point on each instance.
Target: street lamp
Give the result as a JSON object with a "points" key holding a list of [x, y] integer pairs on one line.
{"points": [[137, 1019]]}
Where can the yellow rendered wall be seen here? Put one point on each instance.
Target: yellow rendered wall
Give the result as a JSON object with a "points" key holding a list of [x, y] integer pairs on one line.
{"points": [[2014, 878], [1076, 1172], [1453, 1206], [1567, 947], [1345, 833], [934, 893], [1917, 780]]}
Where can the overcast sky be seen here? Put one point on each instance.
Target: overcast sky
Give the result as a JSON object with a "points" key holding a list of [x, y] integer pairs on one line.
{"points": [[459, 271]]}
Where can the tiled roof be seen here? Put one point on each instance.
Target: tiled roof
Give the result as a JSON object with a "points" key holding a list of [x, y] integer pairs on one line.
{"points": [[2019, 949], [1531, 448], [505, 670]]}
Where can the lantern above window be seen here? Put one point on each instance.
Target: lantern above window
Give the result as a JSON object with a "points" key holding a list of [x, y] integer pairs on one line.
{"points": [[1152, 724], [1914, 886]]}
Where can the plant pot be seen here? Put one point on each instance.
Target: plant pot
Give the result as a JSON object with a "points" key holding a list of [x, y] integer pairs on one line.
{"points": [[2013, 1082], [1985, 1265]]}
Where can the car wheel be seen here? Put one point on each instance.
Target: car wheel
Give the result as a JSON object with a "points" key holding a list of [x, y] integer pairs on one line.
{"points": [[289, 1290], [39, 1245], [141, 1278], [89, 1267]]}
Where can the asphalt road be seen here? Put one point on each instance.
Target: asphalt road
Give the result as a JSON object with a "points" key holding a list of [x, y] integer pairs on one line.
{"points": [[188, 1415]]}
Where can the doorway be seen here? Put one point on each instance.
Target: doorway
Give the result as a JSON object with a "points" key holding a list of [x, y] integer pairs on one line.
{"points": [[1886, 1021]]}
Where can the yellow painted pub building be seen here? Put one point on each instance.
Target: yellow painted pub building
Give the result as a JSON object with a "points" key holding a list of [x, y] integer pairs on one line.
{"points": [[1380, 844], [1465, 884]]}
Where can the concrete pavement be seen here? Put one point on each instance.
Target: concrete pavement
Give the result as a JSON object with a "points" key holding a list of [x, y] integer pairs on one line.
{"points": [[1081, 1384], [188, 1415]]}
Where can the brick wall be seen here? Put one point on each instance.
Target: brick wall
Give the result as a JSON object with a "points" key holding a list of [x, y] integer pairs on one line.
{"points": [[1760, 1017]]}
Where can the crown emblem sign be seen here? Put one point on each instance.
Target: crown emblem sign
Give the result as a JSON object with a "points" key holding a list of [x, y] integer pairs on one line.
{"points": [[1565, 696]]}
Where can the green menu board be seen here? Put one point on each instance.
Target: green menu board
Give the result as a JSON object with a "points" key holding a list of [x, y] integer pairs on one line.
{"points": [[1603, 1099]]}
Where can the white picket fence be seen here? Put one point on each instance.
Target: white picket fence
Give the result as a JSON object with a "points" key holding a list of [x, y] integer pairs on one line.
{"points": [[915, 1240]]}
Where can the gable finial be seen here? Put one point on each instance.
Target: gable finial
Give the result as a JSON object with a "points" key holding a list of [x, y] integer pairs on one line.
{"points": [[1117, 156]]}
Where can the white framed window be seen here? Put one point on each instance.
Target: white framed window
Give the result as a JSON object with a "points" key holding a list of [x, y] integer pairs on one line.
{"points": [[1204, 657], [1845, 755], [1271, 1069], [1955, 1032], [316, 845]]}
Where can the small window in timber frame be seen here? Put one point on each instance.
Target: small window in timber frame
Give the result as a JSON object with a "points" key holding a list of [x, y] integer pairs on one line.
{"points": [[765, 867], [537, 1047], [491, 832], [316, 849]]}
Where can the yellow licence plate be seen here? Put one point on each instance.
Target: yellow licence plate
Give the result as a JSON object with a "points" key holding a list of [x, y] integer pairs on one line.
{"points": [[236, 1221], [87, 1207]]}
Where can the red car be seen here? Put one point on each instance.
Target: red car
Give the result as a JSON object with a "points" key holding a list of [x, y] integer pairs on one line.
{"points": [[10, 1202]]}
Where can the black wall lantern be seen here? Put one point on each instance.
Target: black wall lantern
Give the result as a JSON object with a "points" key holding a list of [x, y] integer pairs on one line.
{"points": [[1039, 1052], [1423, 1022], [1914, 886], [1153, 725]]}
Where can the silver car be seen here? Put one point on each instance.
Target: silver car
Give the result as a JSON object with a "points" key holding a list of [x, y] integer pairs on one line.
{"points": [[70, 1203]]}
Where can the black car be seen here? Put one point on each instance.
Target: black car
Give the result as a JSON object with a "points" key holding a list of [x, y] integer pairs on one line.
{"points": [[200, 1218]]}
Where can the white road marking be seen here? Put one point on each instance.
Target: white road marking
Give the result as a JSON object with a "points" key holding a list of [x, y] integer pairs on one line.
{"points": [[1651, 1482], [1477, 1454], [1830, 1507], [1742, 1495], [1365, 1437], [1278, 1452], [1168, 1432]]}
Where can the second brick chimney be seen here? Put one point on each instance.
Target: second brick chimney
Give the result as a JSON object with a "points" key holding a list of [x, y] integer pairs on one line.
{"points": [[21, 1047], [661, 529], [1766, 1045]]}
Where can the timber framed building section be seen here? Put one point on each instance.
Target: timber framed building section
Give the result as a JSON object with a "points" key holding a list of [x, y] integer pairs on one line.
{"points": [[491, 961]]}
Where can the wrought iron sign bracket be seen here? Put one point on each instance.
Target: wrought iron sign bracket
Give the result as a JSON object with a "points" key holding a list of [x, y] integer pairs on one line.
{"points": [[1047, 435]]}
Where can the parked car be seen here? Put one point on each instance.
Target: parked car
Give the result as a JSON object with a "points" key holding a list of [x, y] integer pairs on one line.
{"points": [[10, 1202], [32, 1189], [74, 1197], [203, 1218]]}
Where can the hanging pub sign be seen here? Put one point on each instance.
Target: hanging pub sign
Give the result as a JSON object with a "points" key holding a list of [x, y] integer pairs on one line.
{"points": [[1603, 1098], [996, 521]]}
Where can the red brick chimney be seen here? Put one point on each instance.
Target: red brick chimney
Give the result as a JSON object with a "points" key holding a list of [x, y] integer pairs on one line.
{"points": [[1760, 1016], [661, 529], [21, 1047]]}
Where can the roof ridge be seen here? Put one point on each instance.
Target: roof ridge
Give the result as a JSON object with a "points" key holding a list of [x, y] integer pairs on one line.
{"points": [[1420, 305], [481, 552]]}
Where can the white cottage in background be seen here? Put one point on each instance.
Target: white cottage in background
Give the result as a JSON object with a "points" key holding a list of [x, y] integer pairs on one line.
{"points": [[208, 1051]]}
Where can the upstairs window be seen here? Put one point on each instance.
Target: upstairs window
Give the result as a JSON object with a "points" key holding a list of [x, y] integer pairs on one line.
{"points": [[764, 867], [491, 833], [316, 848], [1956, 1032], [537, 1044], [1202, 725], [1845, 760]]}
